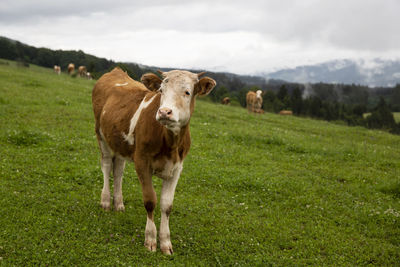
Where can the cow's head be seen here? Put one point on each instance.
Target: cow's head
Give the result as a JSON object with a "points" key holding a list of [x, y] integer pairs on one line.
{"points": [[258, 92], [178, 90]]}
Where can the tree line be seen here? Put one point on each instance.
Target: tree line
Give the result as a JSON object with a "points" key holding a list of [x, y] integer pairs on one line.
{"points": [[330, 102], [353, 104]]}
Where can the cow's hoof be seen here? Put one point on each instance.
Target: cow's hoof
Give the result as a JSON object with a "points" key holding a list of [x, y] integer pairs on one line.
{"points": [[119, 207], [105, 206], [151, 245], [167, 249]]}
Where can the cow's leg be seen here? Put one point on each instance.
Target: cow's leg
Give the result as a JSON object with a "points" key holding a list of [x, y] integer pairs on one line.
{"points": [[167, 198], [118, 170], [106, 166], [150, 200]]}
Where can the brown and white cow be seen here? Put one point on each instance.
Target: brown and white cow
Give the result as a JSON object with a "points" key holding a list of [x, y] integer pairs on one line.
{"points": [[285, 112], [254, 101], [82, 71], [226, 101], [148, 124], [89, 76], [57, 69], [71, 68]]}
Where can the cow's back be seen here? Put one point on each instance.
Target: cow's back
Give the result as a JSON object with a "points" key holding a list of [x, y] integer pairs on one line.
{"points": [[115, 99], [115, 82]]}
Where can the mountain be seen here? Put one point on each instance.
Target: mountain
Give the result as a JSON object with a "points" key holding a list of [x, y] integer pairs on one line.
{"points": [[374, 73]]}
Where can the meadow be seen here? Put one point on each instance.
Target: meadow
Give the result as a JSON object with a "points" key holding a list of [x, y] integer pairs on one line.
{"points": [[256, 190]]}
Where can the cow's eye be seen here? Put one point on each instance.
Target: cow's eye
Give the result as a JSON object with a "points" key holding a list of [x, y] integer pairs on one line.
{"points": [[187, 93], [160, 90]]}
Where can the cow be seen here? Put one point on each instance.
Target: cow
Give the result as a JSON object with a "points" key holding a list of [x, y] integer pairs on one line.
{"points": [[254, 101], [57, 69], [226, 101], [285, 112], [82, 71], [71, 68], [147, 123], [89, 76]]}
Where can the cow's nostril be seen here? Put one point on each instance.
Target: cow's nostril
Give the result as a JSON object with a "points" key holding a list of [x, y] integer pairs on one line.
{"points": [[169, 112]]}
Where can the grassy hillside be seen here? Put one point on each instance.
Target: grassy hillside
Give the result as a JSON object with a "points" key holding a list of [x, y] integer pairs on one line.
{"points": [[255, 190]]}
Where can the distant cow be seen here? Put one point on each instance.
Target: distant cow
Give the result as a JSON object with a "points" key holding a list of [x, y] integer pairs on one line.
{"points": [[254, 101], [89, 76], [82, 71], [71, 68], [57, 69], [226, 101], [148, 124], [285, 112]]}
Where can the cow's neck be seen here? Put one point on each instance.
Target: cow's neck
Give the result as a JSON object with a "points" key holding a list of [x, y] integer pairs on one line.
{"points": [[174, 141]]}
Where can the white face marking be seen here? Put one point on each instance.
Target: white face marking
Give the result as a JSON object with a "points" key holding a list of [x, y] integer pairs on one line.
{"points": [[120, 84], [259, 92], [176, 95], [144, 104]]}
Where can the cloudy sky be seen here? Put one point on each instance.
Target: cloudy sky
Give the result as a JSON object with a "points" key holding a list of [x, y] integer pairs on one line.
{"points": [[244, 37]]}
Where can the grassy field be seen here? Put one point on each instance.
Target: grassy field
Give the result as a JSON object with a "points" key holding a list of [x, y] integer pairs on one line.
{"points": [[255, 190], [396, 116]]}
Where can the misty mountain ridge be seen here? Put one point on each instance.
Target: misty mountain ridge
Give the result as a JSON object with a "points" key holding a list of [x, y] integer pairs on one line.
{"points": [[374, 73]]}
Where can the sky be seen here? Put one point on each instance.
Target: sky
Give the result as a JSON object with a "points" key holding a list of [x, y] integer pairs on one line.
{"points": [[243, 37]]}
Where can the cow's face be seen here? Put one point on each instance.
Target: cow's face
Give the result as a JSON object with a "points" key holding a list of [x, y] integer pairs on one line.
{"points": [[178, 90], [259, 92]]}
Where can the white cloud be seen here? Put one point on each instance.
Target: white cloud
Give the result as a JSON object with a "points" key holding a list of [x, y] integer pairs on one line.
{"points": [[237, 36]]}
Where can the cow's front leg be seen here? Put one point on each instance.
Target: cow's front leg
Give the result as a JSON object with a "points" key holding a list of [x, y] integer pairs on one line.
{"points": [[167, 198], [149, 200]]}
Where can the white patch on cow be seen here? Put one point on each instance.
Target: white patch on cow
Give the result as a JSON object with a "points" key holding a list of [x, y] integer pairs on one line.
{"points": [[104, 112], [129, 137], [169, 170], [121, 84], [173, 172]]}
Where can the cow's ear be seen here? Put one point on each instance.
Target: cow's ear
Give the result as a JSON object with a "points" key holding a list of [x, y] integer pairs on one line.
{"points": [[151, 81], [205, 85]]}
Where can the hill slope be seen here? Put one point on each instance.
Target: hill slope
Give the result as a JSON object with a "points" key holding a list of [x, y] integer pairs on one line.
{"points": [[255, 190]]}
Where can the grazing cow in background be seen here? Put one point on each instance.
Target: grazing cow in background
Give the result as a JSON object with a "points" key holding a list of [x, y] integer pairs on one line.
{"points": [[148, 124], [285, 112], [226, 101], [82, 71], [71, 68], [89, 76], [57, 69], [254, 101]]}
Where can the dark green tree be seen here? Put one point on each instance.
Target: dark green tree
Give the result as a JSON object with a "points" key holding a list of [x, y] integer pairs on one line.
{"points": [[381, 117], [296, 101]]}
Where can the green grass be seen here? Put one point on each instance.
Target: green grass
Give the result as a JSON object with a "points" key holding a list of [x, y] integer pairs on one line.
{"points": [[396, 116], [255, 190]]}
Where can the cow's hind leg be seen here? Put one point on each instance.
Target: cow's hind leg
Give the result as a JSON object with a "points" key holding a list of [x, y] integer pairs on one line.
{"points": [[106, 166], [118, 170]]}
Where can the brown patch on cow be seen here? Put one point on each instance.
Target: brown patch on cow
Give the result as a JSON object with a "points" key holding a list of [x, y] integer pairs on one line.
{"points": [[149, 206], [151, 81], [168, 211], [204, 86]]}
